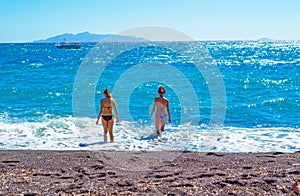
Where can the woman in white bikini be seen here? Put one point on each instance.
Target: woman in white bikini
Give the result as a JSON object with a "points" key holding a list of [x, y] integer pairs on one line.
{"points": [[106, 113], [160, 105]]}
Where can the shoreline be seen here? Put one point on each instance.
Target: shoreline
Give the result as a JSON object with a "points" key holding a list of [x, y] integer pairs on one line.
{"points": [[82, 172]]}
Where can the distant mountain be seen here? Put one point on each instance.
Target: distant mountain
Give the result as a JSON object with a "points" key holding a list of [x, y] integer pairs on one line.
{"points": [[264, 39], [89, 37]]}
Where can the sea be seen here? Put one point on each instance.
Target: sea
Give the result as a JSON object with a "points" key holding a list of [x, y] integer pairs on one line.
{"points": [[225, 96]]}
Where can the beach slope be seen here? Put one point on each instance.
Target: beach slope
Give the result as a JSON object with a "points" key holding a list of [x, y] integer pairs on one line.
{"points": [[188, 173]]}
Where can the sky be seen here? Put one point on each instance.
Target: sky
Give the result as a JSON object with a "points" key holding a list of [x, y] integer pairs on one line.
{"points": [[29, 20]]}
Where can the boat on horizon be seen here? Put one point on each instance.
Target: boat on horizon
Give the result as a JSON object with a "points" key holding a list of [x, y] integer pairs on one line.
{"points": [[67, 45]]}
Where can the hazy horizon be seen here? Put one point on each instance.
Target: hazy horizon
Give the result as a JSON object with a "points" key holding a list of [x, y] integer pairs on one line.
{"points": [[259, 39], [27, 21]]}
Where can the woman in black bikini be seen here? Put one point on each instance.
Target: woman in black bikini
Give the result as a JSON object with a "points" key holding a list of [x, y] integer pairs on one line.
{"points": [[106, 113], [160, 105]]}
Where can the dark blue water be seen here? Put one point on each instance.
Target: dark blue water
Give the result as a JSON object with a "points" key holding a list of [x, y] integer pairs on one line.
{"points": [[50, 101]]}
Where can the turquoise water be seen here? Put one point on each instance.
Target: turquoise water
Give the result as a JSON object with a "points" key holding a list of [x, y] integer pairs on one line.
{"points": [[228, 96]]}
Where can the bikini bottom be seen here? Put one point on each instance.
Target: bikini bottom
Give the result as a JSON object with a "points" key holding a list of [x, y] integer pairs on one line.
{"points": [[107, 118], [161, 116]]}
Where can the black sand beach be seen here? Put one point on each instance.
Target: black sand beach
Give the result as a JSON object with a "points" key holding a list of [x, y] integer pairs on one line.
{"points": [[27, 172]]}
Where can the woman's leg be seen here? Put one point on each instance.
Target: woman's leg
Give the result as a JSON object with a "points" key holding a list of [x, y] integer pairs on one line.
{"points": [[163, 123], [110, 126], [105, 129], [157, 124]]}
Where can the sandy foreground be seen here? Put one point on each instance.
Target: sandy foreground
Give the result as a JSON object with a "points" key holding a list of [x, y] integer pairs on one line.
{"points": [[26, 172]]}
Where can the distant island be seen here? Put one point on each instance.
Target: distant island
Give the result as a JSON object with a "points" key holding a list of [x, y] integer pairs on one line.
{"points": [[265, 39], [86, 37], [89, 37]]}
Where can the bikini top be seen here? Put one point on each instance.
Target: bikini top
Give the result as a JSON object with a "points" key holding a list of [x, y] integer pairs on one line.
{"points": [[161, 107], [161, 100], [107, 105]]}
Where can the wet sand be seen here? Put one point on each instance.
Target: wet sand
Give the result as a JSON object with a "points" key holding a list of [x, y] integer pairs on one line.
{"points": [[25, 172]]}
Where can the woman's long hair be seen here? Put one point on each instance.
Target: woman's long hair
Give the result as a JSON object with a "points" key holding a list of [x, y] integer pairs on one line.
{"points": [[161, 90], [107, 93]]}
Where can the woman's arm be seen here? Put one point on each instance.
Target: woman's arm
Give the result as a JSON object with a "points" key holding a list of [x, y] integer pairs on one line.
{"points": [[153, 108], [100, 113], [116, 110], [169, 113]]}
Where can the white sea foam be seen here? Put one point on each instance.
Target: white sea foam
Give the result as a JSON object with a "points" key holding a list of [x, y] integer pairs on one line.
{"points": [[53, 134], [82, 133]]}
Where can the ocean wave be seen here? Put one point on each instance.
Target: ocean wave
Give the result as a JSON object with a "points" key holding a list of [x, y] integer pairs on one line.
{"points": [[69, 133]]}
